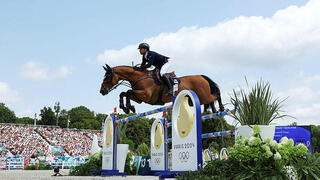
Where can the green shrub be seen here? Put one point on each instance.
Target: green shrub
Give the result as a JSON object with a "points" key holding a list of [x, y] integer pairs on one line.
{"points": [[44, 166], [129, 168], [255, 158], [143, 150], [31, 167], [129, 142], [93, 165]]}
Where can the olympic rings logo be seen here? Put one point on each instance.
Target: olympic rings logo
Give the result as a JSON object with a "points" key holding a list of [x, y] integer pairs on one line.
{"points": [[157, 161], [184, 156]]}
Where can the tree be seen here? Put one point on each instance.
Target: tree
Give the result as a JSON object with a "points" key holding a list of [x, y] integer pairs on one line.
{"points": [[6, 115], [82, 118], [25, 120], [47, 116], [139, 131], [143, 150], [293, 124], [216, 125], [315, 136], [101, 117], [63, 118]]}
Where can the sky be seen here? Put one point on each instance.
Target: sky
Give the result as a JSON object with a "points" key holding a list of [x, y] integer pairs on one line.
{"points": [[54, 50]]}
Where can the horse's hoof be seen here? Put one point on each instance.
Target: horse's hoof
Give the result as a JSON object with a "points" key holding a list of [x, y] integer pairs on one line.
{"points": [[133, 109], [126, 110]]}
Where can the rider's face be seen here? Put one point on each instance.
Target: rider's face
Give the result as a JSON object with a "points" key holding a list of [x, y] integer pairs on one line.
{"points": [[142, 51]]}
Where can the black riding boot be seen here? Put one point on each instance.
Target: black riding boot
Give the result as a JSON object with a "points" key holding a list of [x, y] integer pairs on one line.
{"points": [[168, 83]]}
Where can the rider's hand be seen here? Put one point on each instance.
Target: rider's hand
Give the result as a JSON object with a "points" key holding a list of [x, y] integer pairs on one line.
{"points": [[136, 68]]}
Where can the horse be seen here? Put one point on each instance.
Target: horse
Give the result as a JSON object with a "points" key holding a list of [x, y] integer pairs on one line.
{"points": [[144, 88]]}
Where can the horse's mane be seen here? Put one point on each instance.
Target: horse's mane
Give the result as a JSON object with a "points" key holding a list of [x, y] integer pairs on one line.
{"points": [[131, 68], [123, 66]]}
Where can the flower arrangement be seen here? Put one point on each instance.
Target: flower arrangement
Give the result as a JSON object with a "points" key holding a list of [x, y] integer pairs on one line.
{"points": [[258, 158]]}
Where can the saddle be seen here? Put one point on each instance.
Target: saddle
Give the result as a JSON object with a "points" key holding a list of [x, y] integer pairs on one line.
{"points": [[158, 80]]}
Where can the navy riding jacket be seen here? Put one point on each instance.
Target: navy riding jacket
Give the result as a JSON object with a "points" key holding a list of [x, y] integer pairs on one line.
{"points": [[155, 59]]}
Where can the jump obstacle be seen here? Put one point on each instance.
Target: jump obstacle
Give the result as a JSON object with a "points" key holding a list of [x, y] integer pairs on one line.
{"points": [[186, 137]]}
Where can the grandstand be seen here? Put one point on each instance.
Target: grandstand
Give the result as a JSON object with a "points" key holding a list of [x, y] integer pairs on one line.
{"points": [[28, 140]]}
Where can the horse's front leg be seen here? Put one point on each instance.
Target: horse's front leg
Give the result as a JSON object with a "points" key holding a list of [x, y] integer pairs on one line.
{"points": [[121, 96], [129, 95]]}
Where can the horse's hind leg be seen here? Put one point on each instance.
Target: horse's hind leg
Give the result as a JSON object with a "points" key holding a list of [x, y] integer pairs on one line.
{"points": [[206, 107], [221, 107], [214, 110]]}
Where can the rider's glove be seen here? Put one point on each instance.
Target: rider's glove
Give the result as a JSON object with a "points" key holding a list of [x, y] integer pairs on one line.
{"points": [[137, 68]]}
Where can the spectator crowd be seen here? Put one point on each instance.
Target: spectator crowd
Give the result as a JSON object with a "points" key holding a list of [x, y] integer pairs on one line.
{"points": [[23, 140]]}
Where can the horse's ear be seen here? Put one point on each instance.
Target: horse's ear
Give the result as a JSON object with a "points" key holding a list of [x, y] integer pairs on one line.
{"points": [[105, 68], [108, 66]]}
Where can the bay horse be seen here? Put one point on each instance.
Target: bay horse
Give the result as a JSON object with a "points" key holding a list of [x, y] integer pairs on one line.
{"points": [[144, 89]]}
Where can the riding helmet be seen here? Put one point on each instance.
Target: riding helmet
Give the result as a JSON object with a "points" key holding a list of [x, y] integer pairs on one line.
{"points": [[144, 45]]}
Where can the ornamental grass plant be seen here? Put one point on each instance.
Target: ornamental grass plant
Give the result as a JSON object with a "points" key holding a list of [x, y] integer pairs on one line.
{"points": [[257, 106]]}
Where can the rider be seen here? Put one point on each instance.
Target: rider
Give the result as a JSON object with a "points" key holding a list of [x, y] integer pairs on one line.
{"points": [[159, 61]]}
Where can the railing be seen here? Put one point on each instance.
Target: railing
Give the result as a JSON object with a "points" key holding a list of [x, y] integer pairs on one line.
{"points": [[20, 163]]}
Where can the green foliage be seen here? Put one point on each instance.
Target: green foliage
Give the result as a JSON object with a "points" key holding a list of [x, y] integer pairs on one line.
{"points": [[255, 158], [93, 165], [47, 116], [315, 132], [143, 150], [308, 167], [128, 168], [101, 117], [139, 131], [258, 106], [31, 167], [42, 166], [63, 118], [6, 115], [25, 120], [122, 127], [129, 142], [82, 118], [215, 125]]}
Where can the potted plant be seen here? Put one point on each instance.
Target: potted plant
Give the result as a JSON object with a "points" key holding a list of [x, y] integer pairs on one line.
{"points": [[257, 106]]}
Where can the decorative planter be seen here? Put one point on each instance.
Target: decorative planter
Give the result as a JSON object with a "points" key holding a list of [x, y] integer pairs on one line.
{"points": [[122, 151], [267, 131]]}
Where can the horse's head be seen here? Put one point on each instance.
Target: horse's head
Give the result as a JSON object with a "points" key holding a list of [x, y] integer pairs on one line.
{"points": [[109, 81]]}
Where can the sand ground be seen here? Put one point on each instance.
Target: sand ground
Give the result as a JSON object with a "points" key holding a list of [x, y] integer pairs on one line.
{"points": [[44, 175]]}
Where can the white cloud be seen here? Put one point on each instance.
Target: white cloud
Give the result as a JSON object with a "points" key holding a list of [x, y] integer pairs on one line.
{"points": [[25, 113], [36, 71], [8, 95], [63, 72], [303, 100], [243, 41]]}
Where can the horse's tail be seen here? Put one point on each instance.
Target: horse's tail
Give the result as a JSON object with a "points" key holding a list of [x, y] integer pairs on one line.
{"points": [[213, 86]]}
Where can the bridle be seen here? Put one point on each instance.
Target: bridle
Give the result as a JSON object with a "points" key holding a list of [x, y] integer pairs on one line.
{"points": [[122, 82]]}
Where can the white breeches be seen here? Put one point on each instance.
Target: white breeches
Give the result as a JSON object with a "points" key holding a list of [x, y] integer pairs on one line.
{"points": [[165, 68]]}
